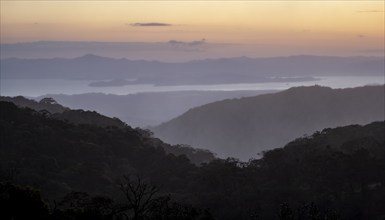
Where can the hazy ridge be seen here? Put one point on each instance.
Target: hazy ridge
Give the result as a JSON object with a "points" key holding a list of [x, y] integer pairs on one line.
{"points": [[209, 71], [243, 127], [147, 109]]}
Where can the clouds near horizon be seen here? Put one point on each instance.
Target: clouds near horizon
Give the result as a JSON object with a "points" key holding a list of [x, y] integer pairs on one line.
{"points": [[371, 11], [334, 25], [150, 24]]}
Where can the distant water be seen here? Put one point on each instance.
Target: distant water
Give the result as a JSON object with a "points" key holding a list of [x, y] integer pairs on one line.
{"points": [[32, 88]]}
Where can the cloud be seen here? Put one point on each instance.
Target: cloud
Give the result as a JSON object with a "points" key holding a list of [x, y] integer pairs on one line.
{"points": [[191, 43], [372, 51], [150, 24], [370, 11], [194, 46]]}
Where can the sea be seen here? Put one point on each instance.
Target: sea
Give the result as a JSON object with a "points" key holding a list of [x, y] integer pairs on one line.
{"points": [[39, 87]]}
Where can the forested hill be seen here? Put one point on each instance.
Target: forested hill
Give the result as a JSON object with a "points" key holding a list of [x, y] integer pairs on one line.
{"points": [[333, 174], [243, 127], [348, 140], [45, 104], [53, 110], [60, 156]]}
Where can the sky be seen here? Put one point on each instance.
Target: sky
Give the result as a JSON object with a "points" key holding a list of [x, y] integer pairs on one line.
{"points": [[257, 28]]}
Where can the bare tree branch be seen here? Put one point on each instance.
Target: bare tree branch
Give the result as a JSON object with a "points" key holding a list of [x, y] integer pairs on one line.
{"points": [[139, 195]]}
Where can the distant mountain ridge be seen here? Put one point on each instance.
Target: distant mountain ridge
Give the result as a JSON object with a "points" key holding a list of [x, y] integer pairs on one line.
{"points": [[243, 127], [209, 71]]}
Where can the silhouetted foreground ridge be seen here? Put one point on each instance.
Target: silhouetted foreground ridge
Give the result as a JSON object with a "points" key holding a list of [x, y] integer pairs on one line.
{"points": [[85, 171], [51, 109]]}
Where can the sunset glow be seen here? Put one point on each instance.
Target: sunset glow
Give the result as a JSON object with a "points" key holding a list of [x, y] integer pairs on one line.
{"points": [[357, 25]]}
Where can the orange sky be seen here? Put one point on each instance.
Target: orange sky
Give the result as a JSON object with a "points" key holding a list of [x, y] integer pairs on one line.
{"points": [[318, 24]]}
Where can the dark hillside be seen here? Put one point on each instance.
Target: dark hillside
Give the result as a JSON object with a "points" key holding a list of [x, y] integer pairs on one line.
{"points": [[59, 157], [333, 174], [50, 108], [46, 104]]}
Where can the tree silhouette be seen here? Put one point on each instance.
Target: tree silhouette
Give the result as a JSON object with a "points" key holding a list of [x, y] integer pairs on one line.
{"points": [[140, 196], [285, 212], [18, 202]]}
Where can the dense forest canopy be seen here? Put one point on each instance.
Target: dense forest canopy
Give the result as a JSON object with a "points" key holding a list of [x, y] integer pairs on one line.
{"points": [[50, 108], [87, 170]]}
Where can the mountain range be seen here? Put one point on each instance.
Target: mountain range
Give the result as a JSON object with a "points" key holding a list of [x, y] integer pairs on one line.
{"points": [[209, 71], [244, 127]]}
